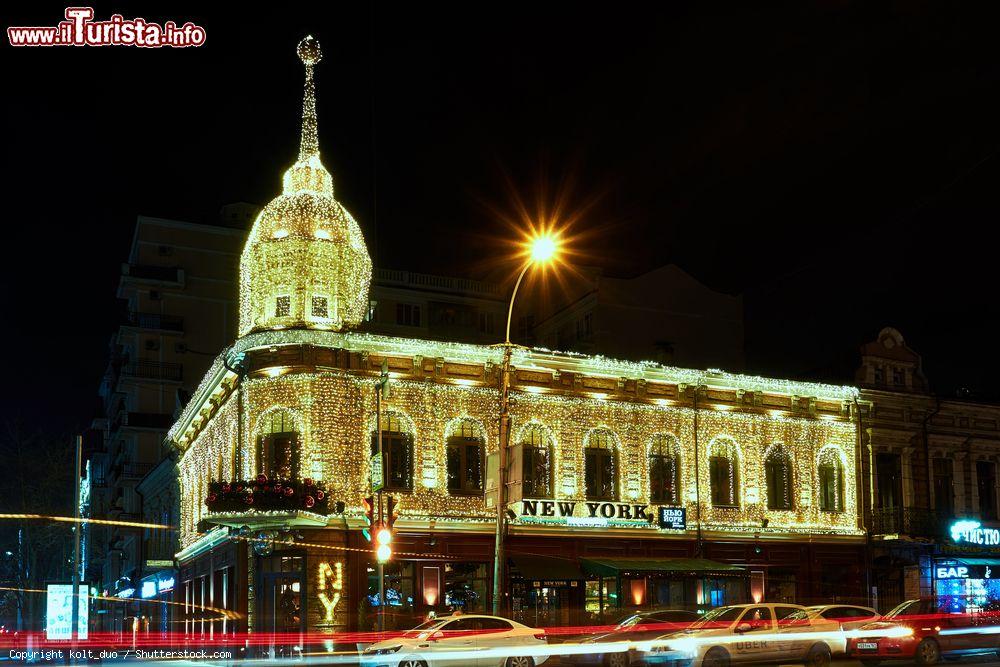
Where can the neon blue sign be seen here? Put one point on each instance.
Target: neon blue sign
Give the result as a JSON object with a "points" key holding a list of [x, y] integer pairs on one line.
{"points": [[972, 532]]}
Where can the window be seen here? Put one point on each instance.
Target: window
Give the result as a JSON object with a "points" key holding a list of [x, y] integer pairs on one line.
{"points": [[664, 470], [465, 460], [944, 496], [879, 375], [759, 618], [778, 474], [601, 466], [495, 624], [486, 323], [407, 315], [536, 468], [831, 480], [889, 481], [278, 447], [723, 474], [986, 478], [897, 376], [320, 306], [397, 454], [283, 305]]}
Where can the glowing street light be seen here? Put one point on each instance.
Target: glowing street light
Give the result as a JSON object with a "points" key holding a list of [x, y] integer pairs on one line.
{"points": [[543, 248]]}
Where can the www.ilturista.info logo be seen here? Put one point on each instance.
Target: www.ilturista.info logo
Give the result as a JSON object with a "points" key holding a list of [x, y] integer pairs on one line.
{"points": [[79, 29]]}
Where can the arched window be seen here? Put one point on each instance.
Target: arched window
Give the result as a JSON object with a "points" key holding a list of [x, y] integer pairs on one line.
{"points": [[465, 459], [724, 475], [397, 453], [831, 480], [536, 462], [601, 465], [664, 470], [278, 447], [778, 477]]}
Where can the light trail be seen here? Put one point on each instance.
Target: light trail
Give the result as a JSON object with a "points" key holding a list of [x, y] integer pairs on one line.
{"points": [[102, 522]]}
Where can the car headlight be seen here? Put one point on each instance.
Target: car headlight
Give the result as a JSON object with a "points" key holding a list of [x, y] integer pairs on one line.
{"points": [[901, 631], [383, 651]]}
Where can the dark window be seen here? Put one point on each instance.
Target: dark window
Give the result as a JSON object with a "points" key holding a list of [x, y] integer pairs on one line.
{"points": [[778, 473], [320, 306], [486, 323], [897, 376], [601, 467], [664, 471], [397, 455], [283, 306], [495, 624], [831, 483], [888, 481], [784, 612], [944, 494], [407, 315], [879, 375], [986, 476], [278, 448], [465, 462], [724, 479], [537, 464]]}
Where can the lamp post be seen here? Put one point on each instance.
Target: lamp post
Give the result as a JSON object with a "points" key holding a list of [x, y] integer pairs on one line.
{"points": [[543, 249]]}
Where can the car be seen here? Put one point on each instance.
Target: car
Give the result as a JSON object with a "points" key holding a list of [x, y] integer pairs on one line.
{"points": [[466, 640], [831, 620], [634, 627], [738, 634], [924, 631]]}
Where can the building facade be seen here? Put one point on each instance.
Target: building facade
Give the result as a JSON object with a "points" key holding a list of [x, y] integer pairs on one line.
{"points": [[632, 484], [178, 304], [933, 463]]}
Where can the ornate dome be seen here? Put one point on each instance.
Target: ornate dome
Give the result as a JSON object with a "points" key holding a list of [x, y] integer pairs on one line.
{"points": [[305, 263]]}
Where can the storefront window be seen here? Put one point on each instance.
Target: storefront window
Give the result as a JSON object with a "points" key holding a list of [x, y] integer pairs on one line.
{"points": [[466, 585], [399, 588], [722, 591]]}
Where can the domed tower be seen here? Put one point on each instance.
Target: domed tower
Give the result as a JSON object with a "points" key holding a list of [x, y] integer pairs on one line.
{"points": [[305, 263]]}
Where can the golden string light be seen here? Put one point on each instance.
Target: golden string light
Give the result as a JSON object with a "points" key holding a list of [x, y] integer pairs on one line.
{"points": [[102, 522]]}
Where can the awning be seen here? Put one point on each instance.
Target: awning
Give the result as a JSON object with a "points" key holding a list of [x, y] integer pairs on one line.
{"points": [[992, 562], [611, 567], [548, 568]]}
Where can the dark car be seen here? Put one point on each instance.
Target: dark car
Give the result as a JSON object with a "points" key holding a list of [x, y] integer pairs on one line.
{"points": [[635, 627], [923, 631]]}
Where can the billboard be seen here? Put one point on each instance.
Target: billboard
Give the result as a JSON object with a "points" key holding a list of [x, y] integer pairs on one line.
{"points": [[59, 611]]}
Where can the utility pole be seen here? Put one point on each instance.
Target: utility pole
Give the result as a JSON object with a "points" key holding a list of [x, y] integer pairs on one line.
{"points": [[75, 636], [381, 387]]}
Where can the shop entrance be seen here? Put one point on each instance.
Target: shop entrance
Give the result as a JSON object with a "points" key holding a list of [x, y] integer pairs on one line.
{"points": [[547, 607], [281, 605]]}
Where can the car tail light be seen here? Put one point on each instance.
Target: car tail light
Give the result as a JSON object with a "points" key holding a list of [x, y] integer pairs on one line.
{"points": [[540, 635]]}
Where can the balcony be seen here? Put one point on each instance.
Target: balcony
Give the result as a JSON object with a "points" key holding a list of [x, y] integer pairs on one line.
{"points": [[136, 470], [163, 274], [263, 502], [154, 321], [153, 370], [910, 522]]}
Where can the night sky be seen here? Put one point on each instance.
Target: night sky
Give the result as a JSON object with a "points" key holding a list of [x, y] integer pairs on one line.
{"points": [[835, 162]]}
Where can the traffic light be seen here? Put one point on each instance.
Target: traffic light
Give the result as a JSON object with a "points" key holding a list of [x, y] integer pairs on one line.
{"points": [[369, 505], [383, 544], [390, 512]]}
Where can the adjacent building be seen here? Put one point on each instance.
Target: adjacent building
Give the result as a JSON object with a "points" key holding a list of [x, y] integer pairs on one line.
{"points": [[932, 499], [633, 484]]}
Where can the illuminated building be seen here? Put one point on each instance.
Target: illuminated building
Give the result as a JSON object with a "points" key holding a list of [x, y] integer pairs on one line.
{"points": [[757, 473]]}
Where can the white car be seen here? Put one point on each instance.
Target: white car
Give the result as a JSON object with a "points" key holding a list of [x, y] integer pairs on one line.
{"points": [[739, 634], [464, 640], [828, 622]]}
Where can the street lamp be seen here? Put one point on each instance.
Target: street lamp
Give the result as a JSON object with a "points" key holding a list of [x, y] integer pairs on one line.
{"points": [[542, 250]]}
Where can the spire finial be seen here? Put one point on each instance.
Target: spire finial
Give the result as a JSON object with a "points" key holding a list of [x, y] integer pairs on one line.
{"points": [[308, 173], [310, 54]]}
